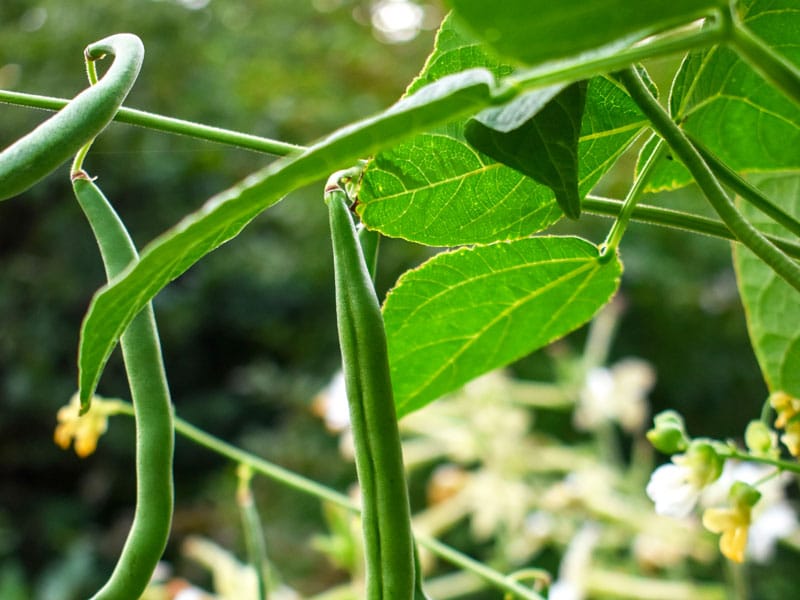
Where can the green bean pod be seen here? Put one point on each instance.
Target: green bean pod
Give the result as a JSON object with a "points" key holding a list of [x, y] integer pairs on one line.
{"points": [[58, 139], [152, 407], [386, 521]]}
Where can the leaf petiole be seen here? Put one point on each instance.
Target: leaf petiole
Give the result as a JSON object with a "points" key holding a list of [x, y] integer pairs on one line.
{"points": [[610, 246], [746, 190], [708, 182], [156, 122], [675, 219]]}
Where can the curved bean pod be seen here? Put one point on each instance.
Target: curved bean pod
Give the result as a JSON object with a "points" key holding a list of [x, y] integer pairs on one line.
{"points": [[55, 141], [386, 521], [152, 407]]}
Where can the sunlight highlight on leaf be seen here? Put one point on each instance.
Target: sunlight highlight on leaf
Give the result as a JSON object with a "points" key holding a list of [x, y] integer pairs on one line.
{"points": [[467, 312]]}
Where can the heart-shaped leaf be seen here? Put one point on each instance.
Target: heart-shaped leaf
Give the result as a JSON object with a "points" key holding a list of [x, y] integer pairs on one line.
{"points": [[436, 189], [466, 312]]}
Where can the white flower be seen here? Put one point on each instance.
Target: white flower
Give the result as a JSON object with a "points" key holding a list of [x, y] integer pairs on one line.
{"points": [[575, 565], [673, 489], [331, 404], [565, 590], [769, 525]]}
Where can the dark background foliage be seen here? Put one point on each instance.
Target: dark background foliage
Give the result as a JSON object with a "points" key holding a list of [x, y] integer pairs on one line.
{"points": [[249, 334]]}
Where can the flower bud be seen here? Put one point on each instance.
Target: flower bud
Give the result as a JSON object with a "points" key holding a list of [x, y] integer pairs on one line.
{"points": [[669, 433], [760, 439], [705, 463], [744, 495]]}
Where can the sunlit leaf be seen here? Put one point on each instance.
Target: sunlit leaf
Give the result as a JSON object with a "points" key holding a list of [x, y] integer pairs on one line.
{"points": [[436, 189], [726, 105], [536, 31], [772, 306], [466, 312]]}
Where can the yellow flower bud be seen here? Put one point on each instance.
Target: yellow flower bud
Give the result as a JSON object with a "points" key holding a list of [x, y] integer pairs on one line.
{"points": [[85, 430]]}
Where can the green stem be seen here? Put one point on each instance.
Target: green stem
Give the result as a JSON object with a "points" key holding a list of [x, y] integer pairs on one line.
{"points": [[783, 465], [610, 246], [166, 124], [561, 72], [77, 163], [666, 217], [774, 67], [253, 531], [708, 183], [321, 492], [747, 191]]}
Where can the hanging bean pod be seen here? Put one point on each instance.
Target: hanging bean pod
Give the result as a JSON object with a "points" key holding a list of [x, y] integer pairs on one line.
{"points": [[385, 512]]}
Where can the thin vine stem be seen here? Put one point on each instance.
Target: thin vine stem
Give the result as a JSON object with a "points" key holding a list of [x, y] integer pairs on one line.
{"points": [[560, 72], [708, 182], [156, 122], [746, 190], [321, 492], [675, 219], [610, 246], [783, 465], [80, 156]]}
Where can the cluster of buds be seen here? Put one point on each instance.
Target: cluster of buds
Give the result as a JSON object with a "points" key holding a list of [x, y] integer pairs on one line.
{"points": [[697, 465], [84, 429], [788, 419]]}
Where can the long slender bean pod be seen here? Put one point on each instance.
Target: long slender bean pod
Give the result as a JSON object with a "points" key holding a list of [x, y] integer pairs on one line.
{"points": [[708, 182], [152, 408], [56, 140], [386, 517]]}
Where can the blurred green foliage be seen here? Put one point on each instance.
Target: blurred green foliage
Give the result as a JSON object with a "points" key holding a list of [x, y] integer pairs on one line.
{"points": [[249, 334]]}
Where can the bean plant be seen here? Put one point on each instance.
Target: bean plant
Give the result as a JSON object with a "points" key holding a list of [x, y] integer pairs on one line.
{"points": [[520, 110]]}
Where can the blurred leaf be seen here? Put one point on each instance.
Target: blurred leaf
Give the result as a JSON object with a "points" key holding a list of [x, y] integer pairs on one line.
{"points": [[771, 305], [721, 101], [535, 31], [537, 134], [467, 312], [435, 189]]}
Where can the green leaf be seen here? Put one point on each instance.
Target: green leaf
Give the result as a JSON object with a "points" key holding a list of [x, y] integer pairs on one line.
{"points": [[726, 105], [435, 189], [466, 312], [226, 214], [535, 31], [772, 306], [537, 134]]}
